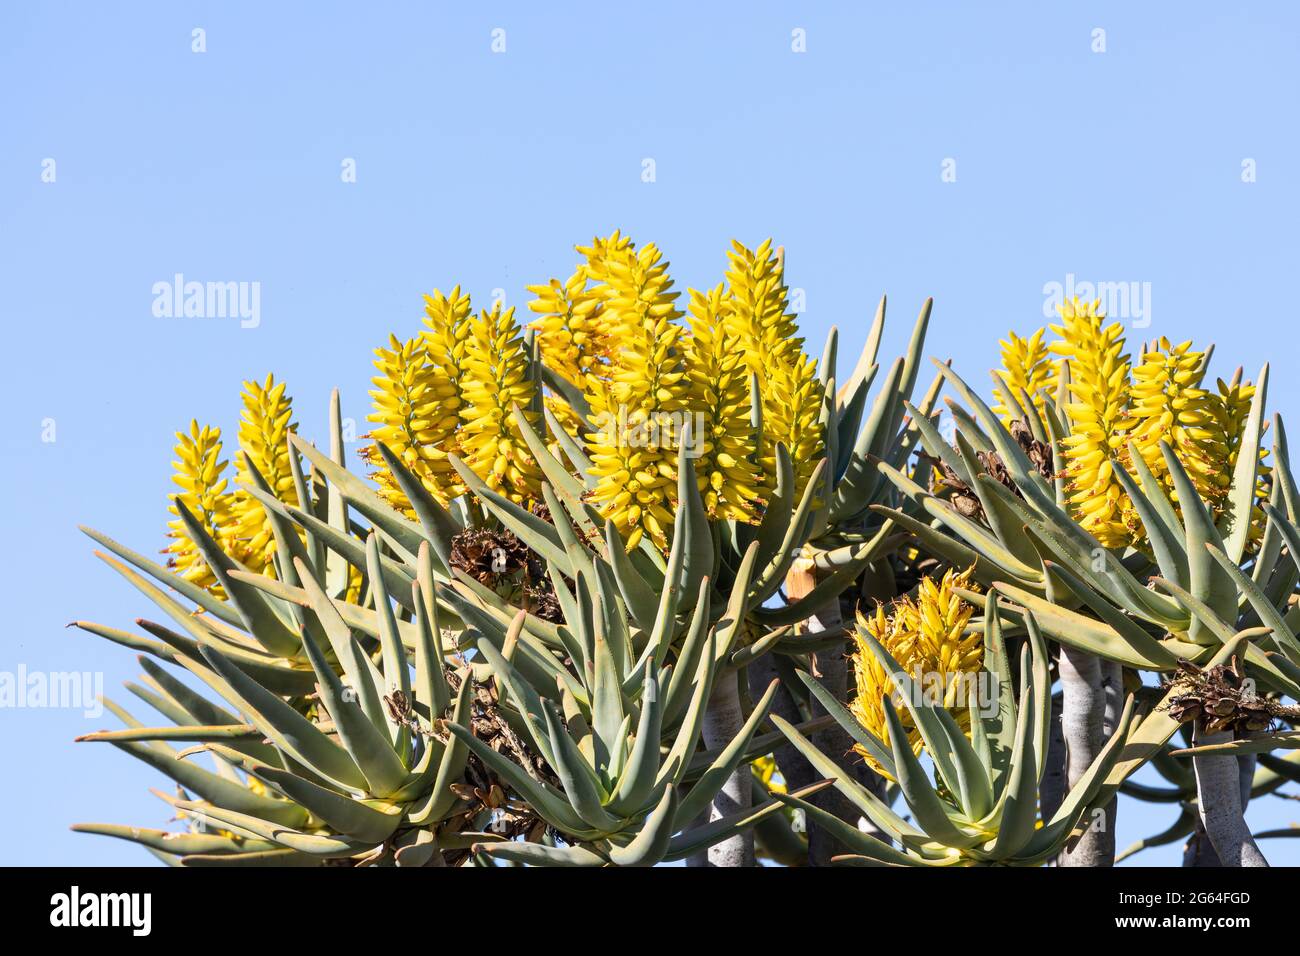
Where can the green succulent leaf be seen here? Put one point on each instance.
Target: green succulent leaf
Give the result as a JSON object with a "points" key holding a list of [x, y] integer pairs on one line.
{"points": [[875, 810], [187, 589], [637, 782], [254, 608], [651, 842], [285, 726], [878, 750], [1241, 493]]}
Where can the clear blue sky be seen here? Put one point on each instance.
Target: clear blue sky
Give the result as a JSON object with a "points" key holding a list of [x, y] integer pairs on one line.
{"points": [[486, 168]]}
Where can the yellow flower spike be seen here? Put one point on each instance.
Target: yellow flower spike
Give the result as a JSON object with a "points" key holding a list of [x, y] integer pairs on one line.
{"points": [[496, 377], [1028, 366], [1099, 421], [792, 399], [264, 428], [720, 412], [412, 422], [568, 419], [1232, 410], [203, 492], [637, 412], [571, 332], [756, 281], [602, 254], [925, 635], [602, 260], [446, 343], [789, 391], [1167, 403]]}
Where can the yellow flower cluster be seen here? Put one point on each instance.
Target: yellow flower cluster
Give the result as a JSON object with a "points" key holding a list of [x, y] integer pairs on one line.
{"points": [[497, 378], [446, 343], [571, 332], [1112, 401], [718, 380], [418, 397], [413, 421], [264, 428], [1026, 367], [450, 391], [790, 394], [613, 331], [638, 410], [927, 636], [198, 471], [236, 519], [1167, 403], [1099, 422], [1231, 411]]}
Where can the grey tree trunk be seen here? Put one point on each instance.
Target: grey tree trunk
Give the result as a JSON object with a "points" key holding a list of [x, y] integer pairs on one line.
{"points": [[701, 857], [723, 719], [796, 771], [1112, 689], [1222, 794], [1083, 717], [837, 745], [1198, 851]]}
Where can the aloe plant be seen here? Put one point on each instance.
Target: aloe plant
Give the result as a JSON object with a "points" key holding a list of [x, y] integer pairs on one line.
{"points": [[982, 805], [531, 636], [1210, 579], [355, 759]]}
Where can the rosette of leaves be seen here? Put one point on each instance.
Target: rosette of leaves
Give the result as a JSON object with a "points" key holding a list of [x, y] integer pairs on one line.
{"points": [[625, 676], [1187, 589], [331, 739], [981, 806], [623, 778], [349, 729], [367, 773]]}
